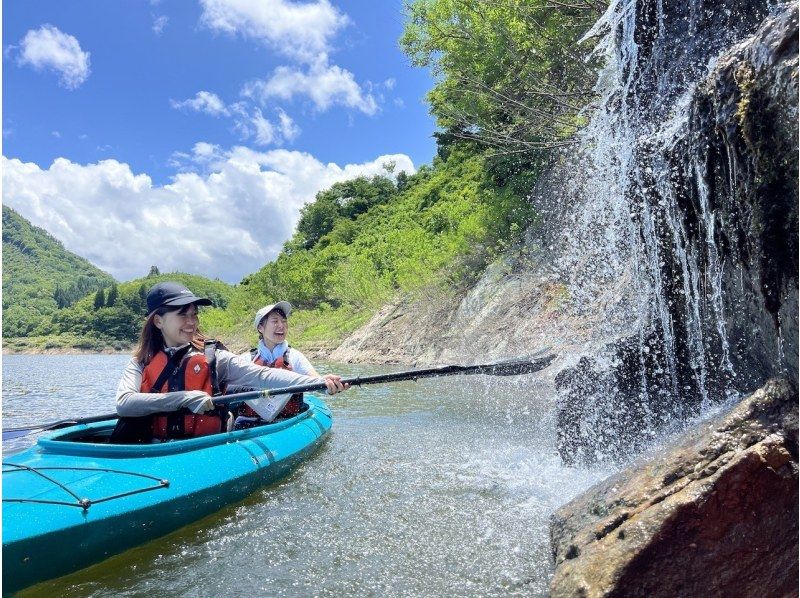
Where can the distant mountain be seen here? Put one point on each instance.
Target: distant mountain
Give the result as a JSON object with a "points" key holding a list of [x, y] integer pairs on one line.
{"points": [[40, 277]]}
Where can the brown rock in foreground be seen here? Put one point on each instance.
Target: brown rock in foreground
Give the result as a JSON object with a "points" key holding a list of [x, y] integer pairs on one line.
{"points": [[714, 515]]}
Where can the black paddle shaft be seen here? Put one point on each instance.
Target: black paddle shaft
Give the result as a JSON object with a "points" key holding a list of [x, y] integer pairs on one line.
{"points": [[503, 368]]}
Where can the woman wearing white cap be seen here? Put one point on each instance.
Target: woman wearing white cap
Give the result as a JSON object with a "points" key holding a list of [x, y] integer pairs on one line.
{"points": [[273, 351], [165, 391]]}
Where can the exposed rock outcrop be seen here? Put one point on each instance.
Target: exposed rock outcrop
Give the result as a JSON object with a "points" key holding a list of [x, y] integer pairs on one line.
{"points": [[517, 307], [715, 515]]}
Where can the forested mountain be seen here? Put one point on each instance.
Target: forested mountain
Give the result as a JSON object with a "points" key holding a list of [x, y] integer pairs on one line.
{"points": [[40, 276]]}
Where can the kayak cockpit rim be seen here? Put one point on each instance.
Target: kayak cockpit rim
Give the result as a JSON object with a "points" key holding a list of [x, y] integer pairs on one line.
{"points": [[72, 440]]}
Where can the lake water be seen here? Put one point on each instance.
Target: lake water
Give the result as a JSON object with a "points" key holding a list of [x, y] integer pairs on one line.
{"points": [[441, 487]]}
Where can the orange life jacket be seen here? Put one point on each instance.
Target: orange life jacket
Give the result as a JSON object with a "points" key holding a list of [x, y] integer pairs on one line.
{"points": [[295, 404], [193, 373]]}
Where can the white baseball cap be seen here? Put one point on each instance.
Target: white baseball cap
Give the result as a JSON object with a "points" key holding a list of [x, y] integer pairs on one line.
{"points": [[262, 313]]}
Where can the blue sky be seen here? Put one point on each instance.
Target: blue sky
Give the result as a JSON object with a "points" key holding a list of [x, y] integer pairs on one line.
{"points": [[213, 119]]}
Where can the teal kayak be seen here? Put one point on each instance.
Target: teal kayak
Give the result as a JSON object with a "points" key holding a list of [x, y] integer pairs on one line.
{"points": [[73, 499]]}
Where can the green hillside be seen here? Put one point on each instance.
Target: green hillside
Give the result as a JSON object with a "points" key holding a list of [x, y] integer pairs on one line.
{"points": [[54, 299], [40, 276], [363, 241]]}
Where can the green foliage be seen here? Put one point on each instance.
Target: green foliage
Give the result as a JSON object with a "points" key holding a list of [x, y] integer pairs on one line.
{"points": [[53, 299], [120, 321], [511, 74], [112, 295], [99, 299], [341, 202], [40, 276], [317, 219]]}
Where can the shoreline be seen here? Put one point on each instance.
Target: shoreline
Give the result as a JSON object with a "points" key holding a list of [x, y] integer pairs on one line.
{"points": [[322, 353], [68, 351]]}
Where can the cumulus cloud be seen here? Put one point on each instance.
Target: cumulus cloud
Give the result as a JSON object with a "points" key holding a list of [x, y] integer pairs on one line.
{"points": [[203, 101], [323, 83], [48, 48], [302, 31], [225, 223]]}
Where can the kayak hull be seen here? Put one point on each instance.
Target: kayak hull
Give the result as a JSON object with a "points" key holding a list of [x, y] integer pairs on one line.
{"points": [[68, 504]]}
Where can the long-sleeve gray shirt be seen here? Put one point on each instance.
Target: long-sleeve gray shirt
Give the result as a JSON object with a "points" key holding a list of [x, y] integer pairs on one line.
{"points": [[232, 370]]}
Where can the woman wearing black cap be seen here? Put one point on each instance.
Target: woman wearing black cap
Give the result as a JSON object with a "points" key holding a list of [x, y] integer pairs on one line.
{"points": [[165, 391]]}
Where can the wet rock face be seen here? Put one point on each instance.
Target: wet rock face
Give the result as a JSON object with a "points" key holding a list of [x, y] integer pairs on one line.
{"points": [[744, 124], [716, 201], [715, 515]]}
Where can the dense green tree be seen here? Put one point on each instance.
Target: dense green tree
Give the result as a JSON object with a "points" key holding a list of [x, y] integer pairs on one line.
{"points": [[99, 299], [112, 295], [142, 293], [153, 272], [511, 74], [60, 297], [360, 194], [317, 219], [347, 199]]}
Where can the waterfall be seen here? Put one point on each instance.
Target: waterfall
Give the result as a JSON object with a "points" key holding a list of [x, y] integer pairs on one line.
{"points": [[652, 247]]}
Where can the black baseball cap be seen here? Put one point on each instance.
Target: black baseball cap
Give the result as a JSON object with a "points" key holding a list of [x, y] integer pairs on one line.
{"points": [[172, 294]]}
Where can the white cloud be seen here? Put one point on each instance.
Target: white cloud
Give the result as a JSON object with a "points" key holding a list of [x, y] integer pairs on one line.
{"points": [[299, 30], [159, 23], [203, 101], [289, 130], [226, 223], [205, 152], [264, 132], [56, 134], [251, 124], [49, 48], [323, 83]]}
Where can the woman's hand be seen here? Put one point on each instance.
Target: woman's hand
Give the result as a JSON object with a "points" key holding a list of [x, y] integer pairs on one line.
{"points": [[198, 401], [334, 383]]}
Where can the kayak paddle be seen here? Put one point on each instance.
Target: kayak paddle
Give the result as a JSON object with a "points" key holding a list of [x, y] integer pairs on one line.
{"points": [[513, 367]]}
